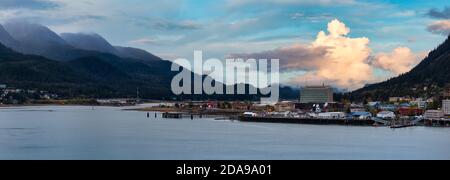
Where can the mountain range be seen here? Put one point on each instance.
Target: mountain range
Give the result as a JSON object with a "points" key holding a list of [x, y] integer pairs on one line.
{"points": [[36, 39], [427, 80], [78, 65], [86, 65]]}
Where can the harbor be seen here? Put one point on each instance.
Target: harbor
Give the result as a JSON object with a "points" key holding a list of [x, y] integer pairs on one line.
{"points": [[316, 105], [309, 121], [374, 122]]}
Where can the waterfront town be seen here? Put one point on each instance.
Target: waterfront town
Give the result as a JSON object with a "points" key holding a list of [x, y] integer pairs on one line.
{"points": [[315, 105], [16, 96]]}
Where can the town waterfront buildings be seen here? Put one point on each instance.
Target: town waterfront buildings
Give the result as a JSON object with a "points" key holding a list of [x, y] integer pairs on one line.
{"points": [[433, 114], [316, 94], [446, 107]]}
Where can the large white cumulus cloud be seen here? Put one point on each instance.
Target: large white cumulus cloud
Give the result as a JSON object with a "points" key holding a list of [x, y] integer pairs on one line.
{"points": [[346, 62]]}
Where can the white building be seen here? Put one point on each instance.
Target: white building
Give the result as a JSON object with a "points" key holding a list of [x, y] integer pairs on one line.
{"points": [[386, 115], [361, 115], [332, 115], [446, 107], [250, 114], [374, 104], [433, 114], [420, 103]]}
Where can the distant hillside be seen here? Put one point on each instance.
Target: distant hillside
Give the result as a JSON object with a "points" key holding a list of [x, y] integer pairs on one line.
{"points": [[87, 65], [85, 77], [107, 76], [426, 80]]}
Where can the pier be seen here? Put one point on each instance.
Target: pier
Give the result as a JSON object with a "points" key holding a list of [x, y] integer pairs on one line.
{"points": [[437, 123], [352, 122], [173, 115], [182, 115]]}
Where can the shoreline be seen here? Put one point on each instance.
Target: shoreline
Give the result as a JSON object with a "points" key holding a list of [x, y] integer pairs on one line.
{"points": [[226, 113], [218, 112]]}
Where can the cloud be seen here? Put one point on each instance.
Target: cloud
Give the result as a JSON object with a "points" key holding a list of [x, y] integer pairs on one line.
{"points": [[333, 58], [240, 3], [440, 27], [399, 61], [444, 14], [336, 30], [168, 25], [154, 41], [296, 57], [27, 4], [183, 25], [408, 13], [312, 17], [143, 41], [346, 61]]}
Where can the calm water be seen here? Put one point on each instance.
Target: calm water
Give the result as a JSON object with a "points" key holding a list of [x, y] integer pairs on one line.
{"points": [[111, 133]]}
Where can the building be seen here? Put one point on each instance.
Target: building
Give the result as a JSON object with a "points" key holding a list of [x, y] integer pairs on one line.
{"points": [[446, 107], [332, 115], [316, 94], [357, 108], [386, 115], [2, 86], [394, 99], [375, 104], [241, 106], [387, 107], [285, 106], [410, 111], [433, 114], [361, 115], [446, 93], [420, 103], [399, 99], [250, 114]]}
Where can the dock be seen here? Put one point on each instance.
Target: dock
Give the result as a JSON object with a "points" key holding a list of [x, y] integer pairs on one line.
{"points": [[348, 122], [171, 115], [437, 123], [184, 115]]}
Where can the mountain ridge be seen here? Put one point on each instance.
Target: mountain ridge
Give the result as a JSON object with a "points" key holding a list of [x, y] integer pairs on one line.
{"points": [[36, 39], [427, 79], [89, 41]]}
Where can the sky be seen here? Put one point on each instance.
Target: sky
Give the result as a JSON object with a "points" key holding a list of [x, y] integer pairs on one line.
{"points": [[344, 43]]}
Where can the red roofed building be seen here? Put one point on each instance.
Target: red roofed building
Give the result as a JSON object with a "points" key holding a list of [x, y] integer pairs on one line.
{"points": [[409, 111]]}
